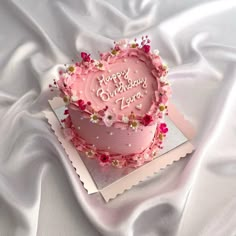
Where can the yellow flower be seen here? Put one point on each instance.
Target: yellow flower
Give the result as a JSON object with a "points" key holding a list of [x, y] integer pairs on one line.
{"points": [[133, 45], [115, 163], [160, 136], [114, 52], [134, 124], [66, 99], [165, 66], [71, 69], [100, 66], [90, 153], [162, 107]]}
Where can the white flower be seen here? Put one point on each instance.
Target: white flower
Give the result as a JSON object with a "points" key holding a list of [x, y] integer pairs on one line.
{"points": [[125, 119], [101, 65], [134, 124], [164, 64], [94, 118], [163, 79], [71, 69], [146, 156], [74, 98], [123, 43], [90, 153]]}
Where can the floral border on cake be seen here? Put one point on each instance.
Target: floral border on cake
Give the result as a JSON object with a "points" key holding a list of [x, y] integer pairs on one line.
{"points": [[105, 116]]}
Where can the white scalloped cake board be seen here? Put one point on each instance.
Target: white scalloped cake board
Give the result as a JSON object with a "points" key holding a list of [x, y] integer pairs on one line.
{"points": [[138, 175]]}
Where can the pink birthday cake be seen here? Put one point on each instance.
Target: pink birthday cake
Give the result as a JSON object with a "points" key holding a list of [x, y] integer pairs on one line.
{"points": [[116, 105]]}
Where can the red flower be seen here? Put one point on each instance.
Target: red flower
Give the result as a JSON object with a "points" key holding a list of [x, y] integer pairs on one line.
{"points": [[163, 128], [147, 119], [146, 48], [104, 159], [81, 104], [85, 57]]}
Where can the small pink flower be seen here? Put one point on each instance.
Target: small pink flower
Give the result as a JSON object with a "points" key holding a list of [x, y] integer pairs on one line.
{"points": [[109, 118], [163, 128], [146, 48], [122, 44], [104, 160], [85, 56], [166, 93], [156, 61]]}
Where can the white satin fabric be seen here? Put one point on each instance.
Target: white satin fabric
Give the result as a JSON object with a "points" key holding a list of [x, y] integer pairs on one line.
{"points": [[40, 193]]}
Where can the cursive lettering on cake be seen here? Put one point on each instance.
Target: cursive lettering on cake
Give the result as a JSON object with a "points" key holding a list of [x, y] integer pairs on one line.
{"points": [[114, 77], [124, 103]]}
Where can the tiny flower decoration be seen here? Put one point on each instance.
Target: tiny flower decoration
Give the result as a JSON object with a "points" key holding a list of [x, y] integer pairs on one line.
{"points": [[85, 56], [162, 107], [133, 45], [146, 48], [122, 44], [119, 163], [90, 154], [125, 119], [66, 99], [94, 118], [81, 104], [115, 51], [146, 120], [101, 65], [147, 157], [109, 118], [163, 128], [71, 69], [134, 124], [104, 160]]}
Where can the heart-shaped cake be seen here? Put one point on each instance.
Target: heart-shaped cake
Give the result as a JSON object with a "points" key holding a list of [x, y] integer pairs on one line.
{"points": [[116, 105]]}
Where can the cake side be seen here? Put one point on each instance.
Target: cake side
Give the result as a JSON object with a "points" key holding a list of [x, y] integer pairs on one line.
{"points": [[112, 139]]}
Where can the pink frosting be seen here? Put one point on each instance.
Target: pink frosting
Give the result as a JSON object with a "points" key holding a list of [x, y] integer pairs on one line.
{"points": [[88, 86]]}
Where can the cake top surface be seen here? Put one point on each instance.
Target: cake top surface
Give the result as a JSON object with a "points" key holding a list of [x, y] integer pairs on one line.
{"points": [[126, 84]]}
